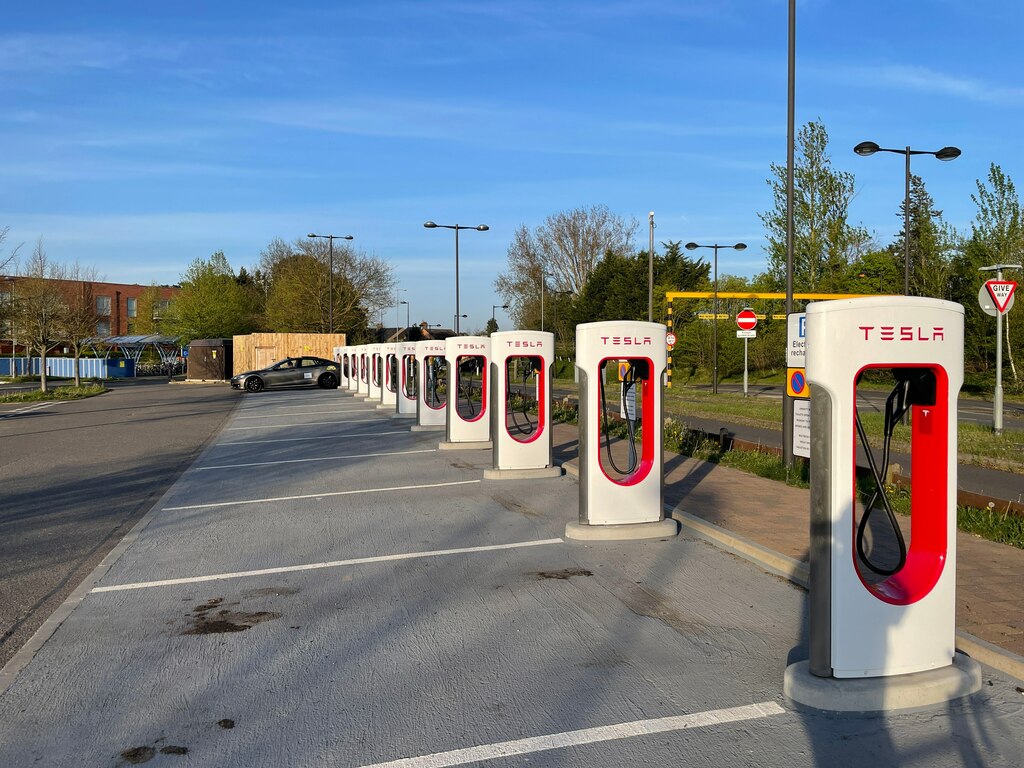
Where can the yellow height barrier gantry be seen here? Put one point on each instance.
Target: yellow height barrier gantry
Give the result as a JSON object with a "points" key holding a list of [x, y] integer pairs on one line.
{"points": [[672, 295]]}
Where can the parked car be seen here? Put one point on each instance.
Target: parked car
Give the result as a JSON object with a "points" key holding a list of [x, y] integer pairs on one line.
{"points": [[290, 372]]}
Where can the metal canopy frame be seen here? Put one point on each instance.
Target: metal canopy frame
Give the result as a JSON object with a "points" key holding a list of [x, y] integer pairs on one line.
{"points": [[132, 347]]}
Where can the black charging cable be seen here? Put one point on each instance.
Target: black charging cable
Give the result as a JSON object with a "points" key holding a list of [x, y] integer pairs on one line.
{"points": [[529, 427], [628, 382], [466, 390], [896, 406]]}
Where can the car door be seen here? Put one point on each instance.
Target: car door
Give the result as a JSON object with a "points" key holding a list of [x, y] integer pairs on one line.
{"points": [[284, 374], [310, 369]]}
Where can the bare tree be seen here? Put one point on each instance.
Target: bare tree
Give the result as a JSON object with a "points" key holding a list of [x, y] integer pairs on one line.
{"points": [[39, 307], [12, 255], [78, 320], [568, 245]]}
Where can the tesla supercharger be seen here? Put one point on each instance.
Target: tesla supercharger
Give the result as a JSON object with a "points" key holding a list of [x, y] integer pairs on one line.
{"points": [[432, 396], [467, 422], [620, 481], [341, 359], [520, 396], [389, 385], [353, 370], [405, 354], [363, 370], [376, 375], [882, 612]]}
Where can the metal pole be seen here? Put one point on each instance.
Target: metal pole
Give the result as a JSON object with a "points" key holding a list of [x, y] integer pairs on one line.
{"points": [[330, 299], [745, 340], [714, 329], [997, 400], [543, 280], [407, 317], [788, 457], [650, 272], [457, 312], [906, 231]]}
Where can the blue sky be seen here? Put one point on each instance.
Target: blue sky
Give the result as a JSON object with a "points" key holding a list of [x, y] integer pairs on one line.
{"points": [[138, 136]]}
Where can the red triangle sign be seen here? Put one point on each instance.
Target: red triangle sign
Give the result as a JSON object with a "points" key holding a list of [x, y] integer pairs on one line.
{"points": [[1001, 292]]}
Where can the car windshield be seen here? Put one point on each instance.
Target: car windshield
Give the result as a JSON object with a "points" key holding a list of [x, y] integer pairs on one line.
{"points": [[286, 363]]}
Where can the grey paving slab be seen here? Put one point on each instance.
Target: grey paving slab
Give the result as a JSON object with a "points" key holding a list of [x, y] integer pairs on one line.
{"points": [[359, 665]]}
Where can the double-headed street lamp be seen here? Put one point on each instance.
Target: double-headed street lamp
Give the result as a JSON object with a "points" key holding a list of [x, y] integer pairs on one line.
{"points": [[456, 227], [714, 309], [868, 148], [330, 301]]}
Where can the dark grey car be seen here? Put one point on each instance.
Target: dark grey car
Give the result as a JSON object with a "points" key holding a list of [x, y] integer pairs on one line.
{"points": [[290, 372]]}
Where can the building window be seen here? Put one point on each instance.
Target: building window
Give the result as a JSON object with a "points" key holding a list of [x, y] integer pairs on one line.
{"points": [[160, 308], [133, 307], [103, 327], [103, 307]]}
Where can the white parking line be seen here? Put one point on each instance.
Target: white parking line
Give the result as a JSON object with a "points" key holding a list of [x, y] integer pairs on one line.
{"points": [[325, 437], [32, 408], [293, 415], [319, 458], [318, 566], [310, 424], [320, 495], [586, 736]]}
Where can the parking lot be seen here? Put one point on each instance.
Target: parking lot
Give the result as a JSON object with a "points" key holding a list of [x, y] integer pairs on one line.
{"points": [[324, 587]]}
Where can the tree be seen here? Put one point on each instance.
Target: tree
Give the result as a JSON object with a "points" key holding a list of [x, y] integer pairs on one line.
{"points": [[569, 245], [998, 234], [824, 243], [298, 280], [39, 306], [491, 327], [210, 304], [78, 319], [7, 260], [146, 321], [932, 243]]}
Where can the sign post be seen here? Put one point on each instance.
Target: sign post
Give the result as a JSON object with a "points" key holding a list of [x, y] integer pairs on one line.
{"points": [[996, 298], [746, 321]]}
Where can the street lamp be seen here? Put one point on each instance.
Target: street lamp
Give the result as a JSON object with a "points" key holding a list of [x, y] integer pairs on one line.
{"points": [[497, 306], [650, 271], [714, 309], [864, 275], [330, 301], [456, 322], [868, 148], [543, 283], [407, 326], [456, 227]]}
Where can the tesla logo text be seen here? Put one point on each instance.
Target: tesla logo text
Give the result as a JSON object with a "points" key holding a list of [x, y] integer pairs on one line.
{"points": [[626, 341], [902, 333], [524, 343], [469, 346]]}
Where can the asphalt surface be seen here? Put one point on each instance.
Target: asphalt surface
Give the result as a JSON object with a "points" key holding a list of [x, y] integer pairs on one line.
{"points": [[323, 587], [75, 476]]}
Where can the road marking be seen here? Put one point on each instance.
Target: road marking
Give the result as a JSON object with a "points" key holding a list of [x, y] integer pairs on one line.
{"points": [[32, 408], [586, 736], [319, 566], [326, 437], [319, 495], [320, 458], [310, 424], [292, 415]]}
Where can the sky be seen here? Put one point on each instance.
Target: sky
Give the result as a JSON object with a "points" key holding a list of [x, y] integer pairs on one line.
{"points": [[137, 137]]}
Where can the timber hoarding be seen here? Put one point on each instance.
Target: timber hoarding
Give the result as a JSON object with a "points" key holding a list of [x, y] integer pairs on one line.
{"points": [[258, 350]]}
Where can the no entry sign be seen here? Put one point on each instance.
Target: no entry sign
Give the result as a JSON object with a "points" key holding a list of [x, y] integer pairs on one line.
{"points": [[746, 320]]}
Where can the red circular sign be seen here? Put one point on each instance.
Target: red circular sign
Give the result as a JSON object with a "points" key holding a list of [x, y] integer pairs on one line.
{"points": [[746, 320], [670, 339]]}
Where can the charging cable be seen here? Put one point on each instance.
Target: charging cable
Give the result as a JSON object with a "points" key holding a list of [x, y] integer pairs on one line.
{"points": [[628, 382]]}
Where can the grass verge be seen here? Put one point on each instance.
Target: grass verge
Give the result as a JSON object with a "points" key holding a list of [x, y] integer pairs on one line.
{"points": [[57, 393]]}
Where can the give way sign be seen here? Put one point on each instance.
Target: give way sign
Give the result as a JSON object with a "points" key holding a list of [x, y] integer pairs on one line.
{"points": [[746, 320], [1001, 292]]}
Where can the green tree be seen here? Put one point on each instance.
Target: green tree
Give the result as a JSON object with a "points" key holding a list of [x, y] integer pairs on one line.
{"points": [[39, 306], [211, 303], [824, 242], [491, 327], [932, 243]]}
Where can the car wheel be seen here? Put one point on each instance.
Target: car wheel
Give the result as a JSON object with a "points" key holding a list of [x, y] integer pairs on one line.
{"points": [[253, 384], [328, 381]]}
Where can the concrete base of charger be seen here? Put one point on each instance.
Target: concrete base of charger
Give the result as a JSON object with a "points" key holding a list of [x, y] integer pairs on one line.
{"points": [[427, 428], [468, 445], [623, 532], [882, 694], [537, 473], [403, 415]]}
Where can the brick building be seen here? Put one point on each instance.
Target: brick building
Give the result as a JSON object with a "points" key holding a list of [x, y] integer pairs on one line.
{"points": [[117, 304]]}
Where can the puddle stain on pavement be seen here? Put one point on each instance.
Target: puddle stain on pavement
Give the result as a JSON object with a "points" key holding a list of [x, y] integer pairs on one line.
{"points": [[206, 620]]}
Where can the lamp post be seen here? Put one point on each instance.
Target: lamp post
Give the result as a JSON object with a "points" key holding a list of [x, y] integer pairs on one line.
{"points": [[714, 309], [398, 308], [330, 300], [543, 284], [650, 271], [868, 148], [863, 275], [456, 322], [406, 314], [497, 306], [456, 227]]}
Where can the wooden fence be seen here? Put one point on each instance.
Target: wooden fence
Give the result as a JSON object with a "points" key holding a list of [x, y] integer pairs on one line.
{"points": [[258, 350]]}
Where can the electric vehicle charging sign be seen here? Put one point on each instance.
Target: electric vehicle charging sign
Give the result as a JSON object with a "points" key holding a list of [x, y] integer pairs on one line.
{"points": [[796, 335]]}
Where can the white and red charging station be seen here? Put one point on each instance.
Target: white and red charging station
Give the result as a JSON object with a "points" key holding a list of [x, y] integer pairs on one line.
{"points": [[432, 397], [341, 357], [376, 374], [621, 481], [353, 369], [889, 624], [389, 386], [467, 422], [405, 406], [520, 382], [363, 371]]}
